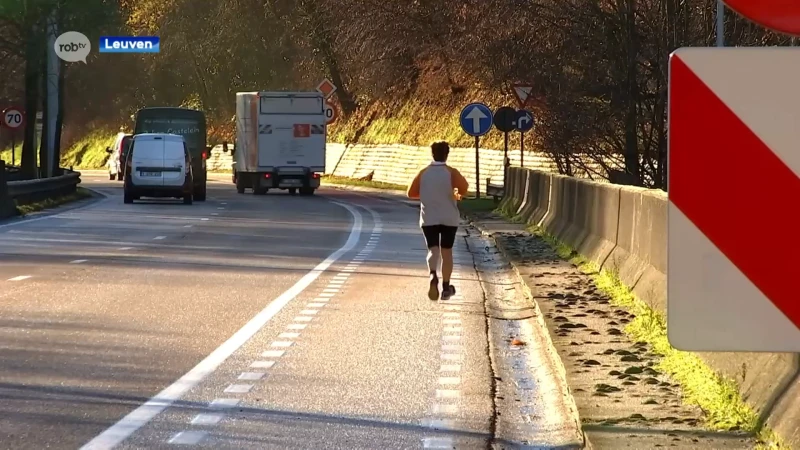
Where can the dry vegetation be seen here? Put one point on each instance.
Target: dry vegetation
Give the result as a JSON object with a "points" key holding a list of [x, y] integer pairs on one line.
{"points": [[404, 68]]}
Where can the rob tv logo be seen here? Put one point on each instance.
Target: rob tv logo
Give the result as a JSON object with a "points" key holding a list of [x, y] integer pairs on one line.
{"points": [[129, 44]]}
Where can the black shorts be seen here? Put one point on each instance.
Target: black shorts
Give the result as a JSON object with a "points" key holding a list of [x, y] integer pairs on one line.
{"points": [[440, 236]]}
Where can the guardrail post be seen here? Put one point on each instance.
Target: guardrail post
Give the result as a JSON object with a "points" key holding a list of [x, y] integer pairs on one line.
{"points": [[7, 208]]}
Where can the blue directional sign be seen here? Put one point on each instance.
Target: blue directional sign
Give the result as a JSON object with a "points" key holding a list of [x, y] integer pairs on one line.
{"points": [[524, 120], [476, 119]]}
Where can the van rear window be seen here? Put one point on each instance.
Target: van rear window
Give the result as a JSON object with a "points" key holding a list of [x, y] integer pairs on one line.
{"points": [[144, 149]]}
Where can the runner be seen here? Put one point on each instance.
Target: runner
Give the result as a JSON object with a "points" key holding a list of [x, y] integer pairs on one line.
{"points": [[438, 187]]}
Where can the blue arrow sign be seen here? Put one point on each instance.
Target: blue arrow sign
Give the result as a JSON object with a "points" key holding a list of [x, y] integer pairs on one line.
{"points": [[476, 119], [524, 120]]}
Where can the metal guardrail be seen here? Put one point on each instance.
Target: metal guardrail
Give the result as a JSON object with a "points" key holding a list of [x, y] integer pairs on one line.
{"points": [[29, 191], [493, 190]]}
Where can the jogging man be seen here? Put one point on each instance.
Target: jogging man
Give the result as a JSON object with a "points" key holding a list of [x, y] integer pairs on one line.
{"points": [[438, 187]]}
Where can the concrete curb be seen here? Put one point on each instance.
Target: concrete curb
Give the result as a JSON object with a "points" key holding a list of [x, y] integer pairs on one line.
{"points": [[538, 319]]}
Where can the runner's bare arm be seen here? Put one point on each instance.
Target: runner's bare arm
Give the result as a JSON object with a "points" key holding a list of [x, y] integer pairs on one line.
{"points": [[458, 180], [413, 188]]}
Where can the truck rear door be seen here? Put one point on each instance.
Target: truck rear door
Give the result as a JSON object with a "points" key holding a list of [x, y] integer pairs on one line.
{"points": [[291, 131]]}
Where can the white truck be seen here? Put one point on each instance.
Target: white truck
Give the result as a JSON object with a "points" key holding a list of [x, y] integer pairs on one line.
{"points": [[280, 141]]}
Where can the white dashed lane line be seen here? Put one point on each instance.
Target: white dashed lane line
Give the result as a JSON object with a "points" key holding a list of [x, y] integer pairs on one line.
{"points": [[447, 403], [19, 278], [269, 358], [78, 261], [159, 238]]}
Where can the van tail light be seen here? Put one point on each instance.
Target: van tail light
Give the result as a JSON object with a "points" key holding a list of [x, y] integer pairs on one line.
{"points": [[315, 175], [266, 175], [205, 156]]}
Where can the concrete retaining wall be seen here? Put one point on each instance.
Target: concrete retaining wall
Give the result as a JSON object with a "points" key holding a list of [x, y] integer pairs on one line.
{"points": [[624, 229]]}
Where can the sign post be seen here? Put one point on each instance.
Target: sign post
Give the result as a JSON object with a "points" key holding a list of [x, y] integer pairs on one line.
{"points": [[524, 122], [722, 296], [13, 119], [505, 120], [476, 120]]}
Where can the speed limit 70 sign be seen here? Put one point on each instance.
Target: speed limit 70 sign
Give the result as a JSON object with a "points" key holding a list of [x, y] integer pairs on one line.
{"points": [[13, 118], [331, 113]]}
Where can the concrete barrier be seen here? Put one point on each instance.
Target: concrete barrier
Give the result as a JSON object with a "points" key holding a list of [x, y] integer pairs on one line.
{"points": [[624, 229]]}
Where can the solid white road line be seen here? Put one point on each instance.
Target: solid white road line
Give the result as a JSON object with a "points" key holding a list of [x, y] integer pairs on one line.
{"points": [[145, 413], [19, 278]]}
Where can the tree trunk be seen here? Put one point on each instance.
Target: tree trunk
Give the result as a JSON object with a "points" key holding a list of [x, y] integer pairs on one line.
{"points": [[321, 39], [32, 86], [44, 142], [59, 119]]}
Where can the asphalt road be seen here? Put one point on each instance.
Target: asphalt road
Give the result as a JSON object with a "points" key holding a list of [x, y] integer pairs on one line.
{"points": [[241, 322]]}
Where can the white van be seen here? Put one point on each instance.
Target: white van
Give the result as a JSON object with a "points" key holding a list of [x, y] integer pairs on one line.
{"points": [[158, 165]]}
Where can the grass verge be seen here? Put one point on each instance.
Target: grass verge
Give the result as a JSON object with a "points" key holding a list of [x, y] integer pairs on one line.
{"points": [[477, 205], [719, 397], [334, 180], [87, 153], [90, 151], [29, 208]]}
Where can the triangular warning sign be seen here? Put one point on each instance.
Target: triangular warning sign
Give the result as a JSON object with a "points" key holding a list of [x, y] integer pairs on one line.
{"points": [[522, 92]]}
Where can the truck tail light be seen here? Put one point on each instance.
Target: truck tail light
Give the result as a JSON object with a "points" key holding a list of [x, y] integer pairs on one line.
{"points": [[315, 175], [205, 156], [266, 175]]}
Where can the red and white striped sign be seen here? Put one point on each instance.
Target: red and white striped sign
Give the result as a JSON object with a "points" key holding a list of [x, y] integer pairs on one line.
{"points": [[734, 197]]}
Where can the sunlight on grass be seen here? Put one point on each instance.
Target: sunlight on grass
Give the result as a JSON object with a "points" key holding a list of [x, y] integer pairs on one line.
{"points": [[334, 180], [28, 208]]}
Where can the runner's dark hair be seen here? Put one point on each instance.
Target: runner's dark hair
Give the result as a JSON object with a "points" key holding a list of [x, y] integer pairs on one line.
{"points": [[440, 150]]}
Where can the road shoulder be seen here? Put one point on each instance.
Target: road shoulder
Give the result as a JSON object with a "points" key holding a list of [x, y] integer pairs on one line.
{"points": [[616, 384], [533, 405]]}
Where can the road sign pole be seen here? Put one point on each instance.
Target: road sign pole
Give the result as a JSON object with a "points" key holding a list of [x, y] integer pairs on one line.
{"points": [[505, 158], [477, 167], [476, 120], [13, 148], [522, 149]]}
